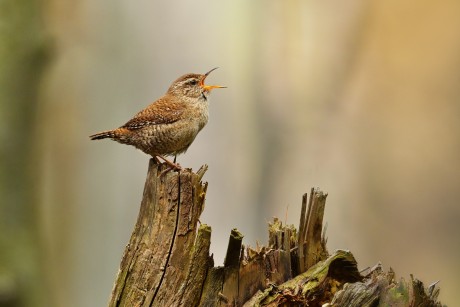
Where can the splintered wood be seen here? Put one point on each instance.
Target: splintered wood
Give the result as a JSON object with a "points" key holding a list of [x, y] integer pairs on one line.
{"points": [[167, 261], [166, 254]]}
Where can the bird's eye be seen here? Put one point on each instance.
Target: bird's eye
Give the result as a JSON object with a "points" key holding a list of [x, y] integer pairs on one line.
{"points": [[193, 82]]}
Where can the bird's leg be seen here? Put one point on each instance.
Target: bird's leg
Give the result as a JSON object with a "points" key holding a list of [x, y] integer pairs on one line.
{"points": [[171, 165], [175, 157], [157, 159]]}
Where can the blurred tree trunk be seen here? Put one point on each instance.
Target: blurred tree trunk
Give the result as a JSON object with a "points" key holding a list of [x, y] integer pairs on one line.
{"points": [[22, 59]]}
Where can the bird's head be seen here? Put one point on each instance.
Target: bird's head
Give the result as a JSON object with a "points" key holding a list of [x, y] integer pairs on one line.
{"points": [[192, 86]]}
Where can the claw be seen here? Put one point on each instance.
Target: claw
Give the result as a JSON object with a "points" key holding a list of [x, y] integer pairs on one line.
{"points": [[171, 165]]}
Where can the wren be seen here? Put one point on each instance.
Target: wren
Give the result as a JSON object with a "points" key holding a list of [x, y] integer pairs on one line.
{"points": [[168, 126]]}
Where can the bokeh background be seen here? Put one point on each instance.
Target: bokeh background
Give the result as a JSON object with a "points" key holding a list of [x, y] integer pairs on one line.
{"points": [[360, 98]]}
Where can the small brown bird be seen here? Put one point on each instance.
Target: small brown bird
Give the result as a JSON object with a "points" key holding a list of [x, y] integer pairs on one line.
{"points": [[169, 125]]}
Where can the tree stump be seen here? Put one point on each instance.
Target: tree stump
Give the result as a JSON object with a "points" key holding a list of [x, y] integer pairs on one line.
{"points": [[166, 254], [167, 261]]}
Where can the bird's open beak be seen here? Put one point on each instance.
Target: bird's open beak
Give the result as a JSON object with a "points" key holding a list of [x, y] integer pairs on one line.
{"points": [[209, 87]]}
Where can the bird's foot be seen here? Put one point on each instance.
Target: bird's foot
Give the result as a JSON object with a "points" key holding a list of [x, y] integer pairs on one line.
{"points": [[171, 165], [176, 168]]}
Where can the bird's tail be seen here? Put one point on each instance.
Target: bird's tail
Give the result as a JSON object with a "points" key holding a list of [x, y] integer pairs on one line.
{"points": [[103, 135]]}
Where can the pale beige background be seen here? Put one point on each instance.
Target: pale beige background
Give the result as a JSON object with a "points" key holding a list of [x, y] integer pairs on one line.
{"points": [[361, 99]]}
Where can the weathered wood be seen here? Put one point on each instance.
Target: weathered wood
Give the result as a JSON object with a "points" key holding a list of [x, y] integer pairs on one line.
{"points": [[250, 278], [212, 295], [316, 286], [381, 289], [314, 247], [311, 242], [167, 262], [230, 289], [163, 251], [199, 267], [301, 237]]}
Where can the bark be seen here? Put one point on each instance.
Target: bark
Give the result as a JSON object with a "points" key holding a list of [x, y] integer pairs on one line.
{"points": [[167, 256]]}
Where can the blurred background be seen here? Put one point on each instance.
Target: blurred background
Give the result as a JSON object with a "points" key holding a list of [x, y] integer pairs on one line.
{"points": [[360, 98]]}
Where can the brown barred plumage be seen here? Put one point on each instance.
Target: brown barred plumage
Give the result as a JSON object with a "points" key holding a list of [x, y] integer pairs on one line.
{"points": [[169, 125]]}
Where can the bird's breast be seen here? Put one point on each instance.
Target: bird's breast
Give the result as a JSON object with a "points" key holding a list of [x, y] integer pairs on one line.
{"points": [[201, 113]]}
